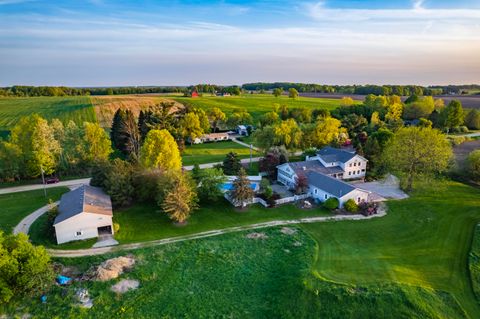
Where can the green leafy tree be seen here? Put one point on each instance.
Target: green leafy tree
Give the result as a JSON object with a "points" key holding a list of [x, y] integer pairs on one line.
{"points": [[25, 269], [37, 144], [231, 164], [209, 181], [119, 183], [160, 151], [325, 132], [265, 137], [96, 144], [472, 119], [394, 112], [277, 92], [287, 133], [240, 117], [292, 93], [216, 116], [269, 118], [424, 123], [190, 127], [203, 119], [346, 101], [242, 192], [473, 161], [10, 161], [420, 108], [415, 151], [181, 200], [453, 114]]}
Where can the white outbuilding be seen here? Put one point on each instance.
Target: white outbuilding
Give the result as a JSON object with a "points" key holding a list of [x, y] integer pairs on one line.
{"points": [[85, 212]]}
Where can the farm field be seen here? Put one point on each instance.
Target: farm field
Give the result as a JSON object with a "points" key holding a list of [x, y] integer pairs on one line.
{"points": [[76, 108], [256, 104], [14, 207], [106, 106], [213, 152]]}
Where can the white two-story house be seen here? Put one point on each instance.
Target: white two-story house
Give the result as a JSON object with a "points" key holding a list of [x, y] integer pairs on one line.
{"points": [[325, 172]]}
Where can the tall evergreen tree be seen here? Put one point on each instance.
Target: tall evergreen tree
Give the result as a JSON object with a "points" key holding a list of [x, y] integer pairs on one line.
{"points": [[118, 140], [231, 164], [242, 192]]}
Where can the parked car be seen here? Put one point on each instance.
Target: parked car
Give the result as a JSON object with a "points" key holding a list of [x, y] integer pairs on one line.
{"points": [[51, 180]]}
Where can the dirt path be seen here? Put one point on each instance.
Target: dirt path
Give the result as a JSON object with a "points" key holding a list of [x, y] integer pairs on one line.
{"points": [[210, 233]]}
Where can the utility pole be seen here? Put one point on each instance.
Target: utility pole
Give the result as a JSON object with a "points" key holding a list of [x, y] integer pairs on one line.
{"points": [[43, 181], [251, 146]]}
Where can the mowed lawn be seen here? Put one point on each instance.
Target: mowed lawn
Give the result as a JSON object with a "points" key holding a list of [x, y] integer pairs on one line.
{"points": [[213, 152], [15, 206], [144, 222], [76, 108], [424, 241], [257, 104]]}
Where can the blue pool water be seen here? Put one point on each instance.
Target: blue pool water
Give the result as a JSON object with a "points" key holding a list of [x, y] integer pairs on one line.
{"points": [[229, 186]]}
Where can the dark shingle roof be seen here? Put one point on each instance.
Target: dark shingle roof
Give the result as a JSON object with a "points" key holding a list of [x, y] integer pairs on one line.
{"points": [[329, 184], [315, 166], [330, 154], [83, 199]]}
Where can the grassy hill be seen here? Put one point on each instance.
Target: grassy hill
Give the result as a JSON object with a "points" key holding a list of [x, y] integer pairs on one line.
{"points": [[76, 108], [256, 104]]}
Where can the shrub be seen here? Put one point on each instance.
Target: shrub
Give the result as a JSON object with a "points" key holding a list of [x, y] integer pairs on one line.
{"points": [[116, 227], [351, 206], [331, 203]]}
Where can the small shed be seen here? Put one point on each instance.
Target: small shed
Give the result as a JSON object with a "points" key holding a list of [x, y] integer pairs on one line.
{"points": [[85, 212]]}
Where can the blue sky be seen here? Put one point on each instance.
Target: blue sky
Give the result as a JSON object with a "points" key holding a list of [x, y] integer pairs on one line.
{"points": [[103, 42]]}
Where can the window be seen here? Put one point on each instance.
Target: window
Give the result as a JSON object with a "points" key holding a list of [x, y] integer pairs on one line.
{"points": [[349, 173], [358, 172], [78, 233], [315, 190], [363, 170], [326, 196], [358, 200], [350, 165], [355, 164]]}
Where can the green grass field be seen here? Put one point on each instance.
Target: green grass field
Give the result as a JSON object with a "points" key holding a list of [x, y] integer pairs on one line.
{"points": [[76, 108], [213, 152], [474, 263], [15, 206], [411, 263], [257, 104], [423, 242]]}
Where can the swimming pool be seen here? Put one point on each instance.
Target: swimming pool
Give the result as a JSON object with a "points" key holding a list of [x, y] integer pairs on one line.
{"points": [[229, 186]]}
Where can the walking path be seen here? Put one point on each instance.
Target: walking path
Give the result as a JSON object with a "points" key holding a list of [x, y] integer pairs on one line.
{"points": [[245, 144], [210, 233], [24, 225], [71, 183]]}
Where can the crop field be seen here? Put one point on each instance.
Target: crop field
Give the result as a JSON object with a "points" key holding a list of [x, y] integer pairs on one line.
{"points": [[213, 152], [76, 108], [257, 104], [106, 106]]}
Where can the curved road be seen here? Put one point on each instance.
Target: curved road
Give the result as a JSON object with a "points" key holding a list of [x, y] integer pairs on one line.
{"points": [[23, 188]]}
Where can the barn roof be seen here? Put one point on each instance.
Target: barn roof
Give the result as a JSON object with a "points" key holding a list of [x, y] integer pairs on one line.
{"points": [[85, 199]]}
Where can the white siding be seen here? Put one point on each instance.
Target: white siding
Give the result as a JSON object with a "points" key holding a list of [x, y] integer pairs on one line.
{"points": [[86, 223], [354, 168], [357, 195]]}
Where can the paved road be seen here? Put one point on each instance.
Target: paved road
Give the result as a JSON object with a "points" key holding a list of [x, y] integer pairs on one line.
{"points": [[211, 233], [71, 183], [24, 225]]}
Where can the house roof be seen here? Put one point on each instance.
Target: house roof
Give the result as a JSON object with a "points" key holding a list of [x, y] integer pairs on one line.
{"points": [[330, 154], [329, 184], [242, 127], [315, 166], [213, 135], [87, 199]]}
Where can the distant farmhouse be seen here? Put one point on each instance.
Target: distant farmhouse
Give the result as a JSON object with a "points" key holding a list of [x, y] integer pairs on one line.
{"points": [[325, 172], [212, 137], [85, 212], [244, 129]]}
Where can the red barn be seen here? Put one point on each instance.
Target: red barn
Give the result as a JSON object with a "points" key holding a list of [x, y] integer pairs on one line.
{"points": [[194, 94]]}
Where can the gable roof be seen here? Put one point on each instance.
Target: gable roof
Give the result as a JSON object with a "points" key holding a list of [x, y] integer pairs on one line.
{"points": [[329, 184], [87, 199], [316, 166], [330, 154]]}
